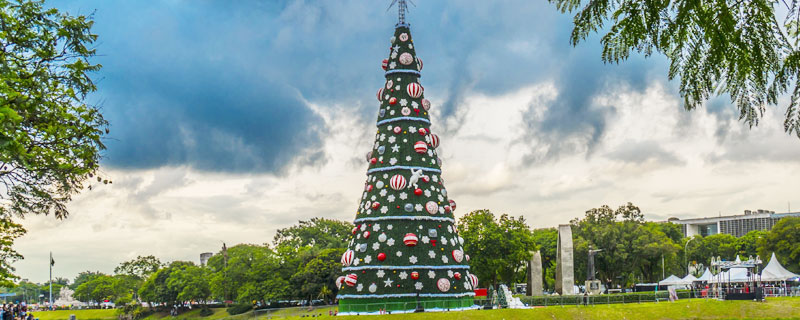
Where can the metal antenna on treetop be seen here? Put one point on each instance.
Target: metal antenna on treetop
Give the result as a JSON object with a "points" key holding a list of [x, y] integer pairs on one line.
{"points": [[402, 7]]}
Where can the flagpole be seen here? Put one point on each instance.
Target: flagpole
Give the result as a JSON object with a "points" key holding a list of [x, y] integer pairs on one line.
{"points": [[51, 279]]}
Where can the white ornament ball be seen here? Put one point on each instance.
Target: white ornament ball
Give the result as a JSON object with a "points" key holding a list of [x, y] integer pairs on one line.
{"points": [[443, 284], [406, 58]]}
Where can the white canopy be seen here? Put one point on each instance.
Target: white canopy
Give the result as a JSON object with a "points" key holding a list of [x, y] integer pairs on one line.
{"points": [[670, 281], [688, 279], [706, 276], [732, 275], [774, 271]]}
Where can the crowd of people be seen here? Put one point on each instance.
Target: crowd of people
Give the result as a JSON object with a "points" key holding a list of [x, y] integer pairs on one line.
{"points": [[12, 311]]}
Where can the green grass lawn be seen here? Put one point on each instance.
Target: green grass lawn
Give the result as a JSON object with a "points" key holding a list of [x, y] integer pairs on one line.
{"points": [[774, 308], [91, 314]]}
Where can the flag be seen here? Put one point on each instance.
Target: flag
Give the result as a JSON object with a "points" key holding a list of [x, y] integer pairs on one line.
{"points": [[52, 262]]}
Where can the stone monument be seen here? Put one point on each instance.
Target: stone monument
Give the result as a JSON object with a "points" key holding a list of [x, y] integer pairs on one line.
{"points": [[535, 275], [565, 275], [66, 298]]}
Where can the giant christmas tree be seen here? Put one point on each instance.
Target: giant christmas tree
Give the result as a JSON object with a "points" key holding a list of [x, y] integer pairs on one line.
{"points": [[405, 247]]}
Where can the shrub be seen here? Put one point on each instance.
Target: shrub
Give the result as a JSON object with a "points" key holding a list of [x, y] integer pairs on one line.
{"points": [[239, 308]]}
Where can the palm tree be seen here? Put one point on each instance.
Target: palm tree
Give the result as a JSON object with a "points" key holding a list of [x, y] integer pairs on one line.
{"points": [[325, 294]]}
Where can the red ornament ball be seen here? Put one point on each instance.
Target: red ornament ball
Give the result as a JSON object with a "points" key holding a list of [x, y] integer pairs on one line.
{"points": [[397, 130], [368, 188], [421, 147], [355, 229], [381, 256], [418, 191], [373, 160], [410, 239], [457, 275], [376, 205], [414, 275], [385, 64], [366, 235], [392, 100], [422, 131]]}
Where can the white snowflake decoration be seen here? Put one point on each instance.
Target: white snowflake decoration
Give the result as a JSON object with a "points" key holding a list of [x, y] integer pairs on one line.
{"points": [[367, 259], [364, 226], [418, 285], [418, 207], [392, 140], [391, 112], [390, 198], [392, 65], [441, 199], [415, 104], [425, 239], [403, 196], [450, 228], [384, 210], [450, 273], [392, 162], [444, 240], [412, 259], [389, 227], [376, 227], [432, 254], [434, 178], [390, 242], [444, 259], [427, 193], [412, 129], [403, 102], [376, 246], [380, 273], [360, 287], [399, 253], [431, 274], [394, 54], [383, 192], [403, 275], [408, 158]]}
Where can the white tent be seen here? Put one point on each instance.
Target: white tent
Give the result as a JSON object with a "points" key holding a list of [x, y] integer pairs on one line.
{"points": [[706, 277], [670, 281], [732, 275], [774, 271], [688, 279]]}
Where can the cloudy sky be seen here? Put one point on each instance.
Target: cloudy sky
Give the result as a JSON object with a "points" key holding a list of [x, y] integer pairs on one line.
{"points": [[231, 119]]}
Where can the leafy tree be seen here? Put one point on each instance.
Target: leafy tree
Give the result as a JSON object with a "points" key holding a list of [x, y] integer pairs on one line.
{"points": [[547, 242], [190, 282], [252, 274], [9, 231], [320, 233], [501, 246], [50, 141], [783, 240], [319, 274], [84, 276], [744, 49], [155, 288], [141, 267], [97, 289], [747, 245]]}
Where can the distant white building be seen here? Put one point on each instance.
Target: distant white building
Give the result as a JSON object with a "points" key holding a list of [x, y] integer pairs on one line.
{"points": [[204, 257], [737, 225]]}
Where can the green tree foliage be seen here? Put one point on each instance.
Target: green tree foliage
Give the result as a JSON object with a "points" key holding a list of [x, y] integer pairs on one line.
{"points": [[180, 281], [252, 274], [318, 274], [745, 49], [783, 240], [320, 233], [501, 246], [84, 276], [632, 248], [51, 139], [547, 242], [141, 267], [9, 231]]}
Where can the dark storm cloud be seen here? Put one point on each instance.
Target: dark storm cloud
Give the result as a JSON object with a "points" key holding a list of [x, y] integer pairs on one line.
{"points": [[224, 86]]}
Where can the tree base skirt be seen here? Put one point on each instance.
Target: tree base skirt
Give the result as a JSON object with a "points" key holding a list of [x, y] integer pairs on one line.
{"points": [[403, 305]]}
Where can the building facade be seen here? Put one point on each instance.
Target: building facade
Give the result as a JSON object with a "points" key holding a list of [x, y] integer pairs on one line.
{"points": [[737, 225]]}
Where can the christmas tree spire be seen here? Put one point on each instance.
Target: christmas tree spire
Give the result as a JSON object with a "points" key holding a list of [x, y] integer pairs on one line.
{"points": [[405, 246]]}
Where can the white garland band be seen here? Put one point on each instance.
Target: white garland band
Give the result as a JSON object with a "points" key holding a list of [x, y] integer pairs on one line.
{"points": [[460, 266], [412, 71], [403, 168], [417, 218], [403, 295], [384, 121]]}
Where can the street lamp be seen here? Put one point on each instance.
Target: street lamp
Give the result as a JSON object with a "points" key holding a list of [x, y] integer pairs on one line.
{"points": [[686, 255]]}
